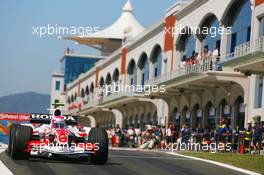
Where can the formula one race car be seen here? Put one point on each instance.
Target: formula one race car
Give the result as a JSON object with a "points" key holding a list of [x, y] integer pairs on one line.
{"points": [[56, 136]]}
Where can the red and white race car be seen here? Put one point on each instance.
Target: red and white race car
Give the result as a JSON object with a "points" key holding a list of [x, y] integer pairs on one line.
{"points": [[57, 135]]}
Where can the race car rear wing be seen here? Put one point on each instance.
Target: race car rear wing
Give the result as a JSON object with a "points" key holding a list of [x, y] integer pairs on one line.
{"points": [[46, 118]]}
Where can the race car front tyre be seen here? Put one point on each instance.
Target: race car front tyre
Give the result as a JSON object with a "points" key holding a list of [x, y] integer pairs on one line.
{"points": [[12, 128], [99, 135], [20, 139]]}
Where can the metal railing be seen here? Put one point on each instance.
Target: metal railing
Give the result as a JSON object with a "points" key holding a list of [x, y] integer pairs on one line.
{"points": [[244, 49], [203, 66]]}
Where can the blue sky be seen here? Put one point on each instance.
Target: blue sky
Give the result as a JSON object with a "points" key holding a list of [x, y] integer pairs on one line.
{"points": [[27, 61]]}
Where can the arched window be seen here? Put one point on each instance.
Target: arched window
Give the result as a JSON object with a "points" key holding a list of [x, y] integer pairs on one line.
{"points": [[239, 18], [143, 65], [186, 44], [210, 116], [92, 88], [87, 91], [132, 71], [210, 26], [75, 96], [108, 79], [108, 82], [190, 47], [101, 82], [156, 59], [72, 98], [116, 75], [82, 93]]}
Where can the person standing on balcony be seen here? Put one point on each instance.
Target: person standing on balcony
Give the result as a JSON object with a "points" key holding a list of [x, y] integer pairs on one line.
{"points": [[215, 56], [100, 95], [205, 54], [198, 58]]}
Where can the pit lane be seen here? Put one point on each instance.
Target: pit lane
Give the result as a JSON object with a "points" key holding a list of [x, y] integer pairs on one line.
{"points": [[119, 163]]}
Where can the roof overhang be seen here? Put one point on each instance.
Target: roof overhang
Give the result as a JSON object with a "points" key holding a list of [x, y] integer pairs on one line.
{"points": [[93, 41], [252, 63]]}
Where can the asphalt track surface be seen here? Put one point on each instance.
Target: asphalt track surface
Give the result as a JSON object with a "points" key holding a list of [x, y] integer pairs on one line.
{"points": [[119, 163]]}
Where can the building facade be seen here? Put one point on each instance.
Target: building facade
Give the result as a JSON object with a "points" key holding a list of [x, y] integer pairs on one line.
{"points": [[199, 93]]}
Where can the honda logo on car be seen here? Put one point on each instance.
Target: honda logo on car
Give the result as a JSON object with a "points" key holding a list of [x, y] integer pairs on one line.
{"points": [[49, 117]]}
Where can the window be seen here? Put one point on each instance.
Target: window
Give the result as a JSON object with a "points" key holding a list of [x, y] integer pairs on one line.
{"points": [[241, 25], [57, 85], [261, 27], [74, 66], [190, 47], [213, 39], [158, 63]]}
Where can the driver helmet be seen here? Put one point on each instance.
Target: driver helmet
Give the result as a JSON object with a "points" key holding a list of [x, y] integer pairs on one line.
{"points": [[58, 122]]}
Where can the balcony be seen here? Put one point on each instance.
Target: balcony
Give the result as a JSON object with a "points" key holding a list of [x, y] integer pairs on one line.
{"points": [[247, 57], [181, 72]]}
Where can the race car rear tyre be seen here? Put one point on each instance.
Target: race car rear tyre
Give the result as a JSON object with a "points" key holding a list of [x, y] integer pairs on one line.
{"points": [[12, 128], [21, 137], [99, 135]]}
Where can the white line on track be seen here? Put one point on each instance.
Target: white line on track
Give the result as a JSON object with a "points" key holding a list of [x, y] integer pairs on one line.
{"points": [[3, 169], [218, 163], [149, 157]]}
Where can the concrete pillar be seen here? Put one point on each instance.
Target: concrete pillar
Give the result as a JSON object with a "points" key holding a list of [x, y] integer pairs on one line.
{"points": [[167, 56], [224, 43], [255, 24], [123, 78], [151, 70], [139, 76], [198, 46]]}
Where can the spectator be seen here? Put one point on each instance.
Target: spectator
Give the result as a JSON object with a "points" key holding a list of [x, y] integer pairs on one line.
{"points": [[118, 133], [168, 134], [205, 54], [158, 134], [235, 141], [248, 137], [149, 139], [113, 138], [137, 137], [198, 58], [198, 133], [186, 133], [130, 136], [215, 56], [257, 134]]}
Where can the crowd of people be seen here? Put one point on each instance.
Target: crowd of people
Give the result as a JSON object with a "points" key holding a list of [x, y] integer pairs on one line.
{"points": [[247, 140], [197, 58]]}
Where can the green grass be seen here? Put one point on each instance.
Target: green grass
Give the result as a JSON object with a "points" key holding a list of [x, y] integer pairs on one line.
{"points": [[250, 162]]}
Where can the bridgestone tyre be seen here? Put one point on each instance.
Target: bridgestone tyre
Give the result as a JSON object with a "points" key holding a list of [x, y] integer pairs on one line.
{"points": [[12, 128], [99, 135], [21, 137]]}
